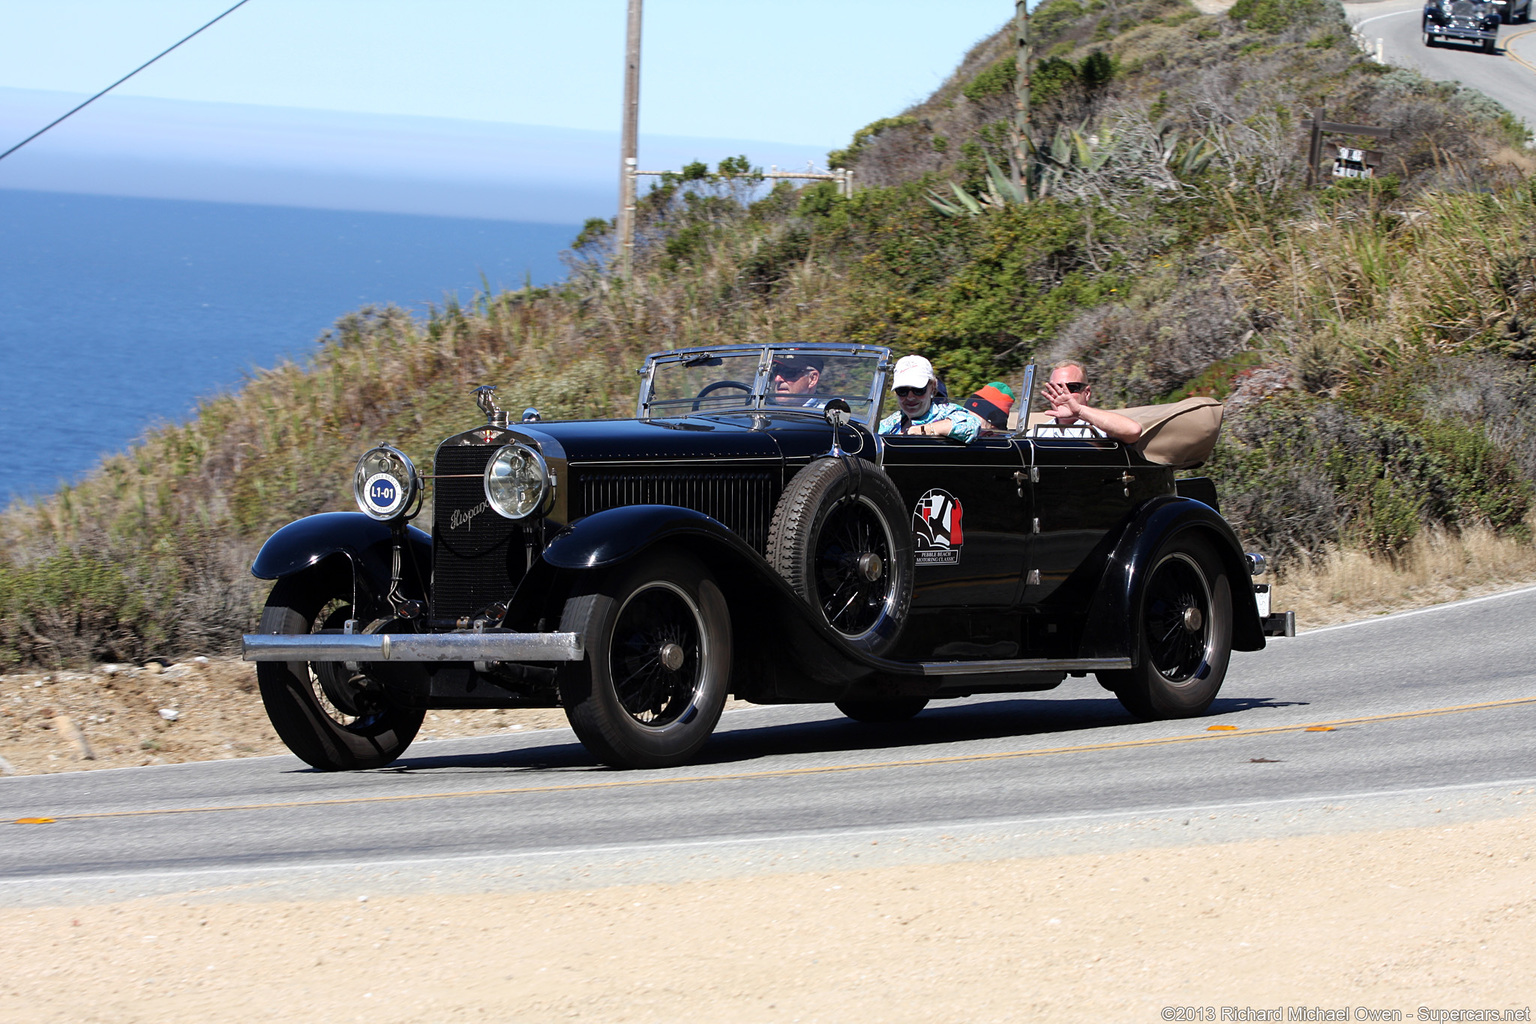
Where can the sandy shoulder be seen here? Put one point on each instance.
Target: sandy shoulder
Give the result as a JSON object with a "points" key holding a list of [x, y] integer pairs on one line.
{"points": [[1395, 920]]}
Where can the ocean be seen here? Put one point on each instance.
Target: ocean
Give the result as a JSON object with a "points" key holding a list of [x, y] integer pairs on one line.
{"points": [[117, 314]]}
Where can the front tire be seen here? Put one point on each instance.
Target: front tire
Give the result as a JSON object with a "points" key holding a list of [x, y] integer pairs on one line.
{"points": [[840, 538], [658, 662], [1185, 624], [333, 719], [1429, 39]]}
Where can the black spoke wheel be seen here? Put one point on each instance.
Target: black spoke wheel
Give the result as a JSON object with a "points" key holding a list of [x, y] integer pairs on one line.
{"points": [[333, 718], [1185, 625], [841, 540], [881, 710], [657, 667]]}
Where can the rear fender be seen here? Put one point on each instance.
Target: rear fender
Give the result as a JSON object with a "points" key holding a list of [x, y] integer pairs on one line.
{"points": [[1111, 629], [364, 541]]}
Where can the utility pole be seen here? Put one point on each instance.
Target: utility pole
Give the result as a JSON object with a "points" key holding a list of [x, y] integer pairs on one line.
{"points": [[631, 140], [1021, 135]]}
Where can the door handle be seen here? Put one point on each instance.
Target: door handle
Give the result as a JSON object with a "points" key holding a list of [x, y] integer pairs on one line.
{"points": [[1127, 478]]}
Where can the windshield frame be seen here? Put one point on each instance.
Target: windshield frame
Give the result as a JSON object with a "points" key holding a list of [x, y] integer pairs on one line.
{"points": [[648, 407]]}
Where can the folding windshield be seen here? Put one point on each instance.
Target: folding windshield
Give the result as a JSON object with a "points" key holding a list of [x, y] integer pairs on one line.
{"points": [[778, 378]]}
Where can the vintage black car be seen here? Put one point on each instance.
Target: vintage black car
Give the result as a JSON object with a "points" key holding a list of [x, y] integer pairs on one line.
{"points": [[731, 539], [1464, 21]]}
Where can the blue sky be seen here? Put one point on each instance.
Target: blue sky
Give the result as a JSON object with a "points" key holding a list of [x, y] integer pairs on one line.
{"points": [[794, 77]]}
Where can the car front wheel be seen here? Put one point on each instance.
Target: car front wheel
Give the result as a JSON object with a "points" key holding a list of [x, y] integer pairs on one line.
{"points": [[333, 718], [1185, 621], [658, 662]]}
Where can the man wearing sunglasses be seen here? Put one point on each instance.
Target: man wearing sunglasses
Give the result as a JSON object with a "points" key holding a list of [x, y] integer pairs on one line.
{"points": [[795, 378], [919, 411], [1069, 392]]}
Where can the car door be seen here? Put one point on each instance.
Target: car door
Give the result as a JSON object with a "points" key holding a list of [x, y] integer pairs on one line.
{"points": [[1083, 490], [969, 523]]}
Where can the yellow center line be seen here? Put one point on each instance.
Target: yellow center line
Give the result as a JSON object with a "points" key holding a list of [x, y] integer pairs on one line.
{"points": [[1512, 55], [780, 773]]}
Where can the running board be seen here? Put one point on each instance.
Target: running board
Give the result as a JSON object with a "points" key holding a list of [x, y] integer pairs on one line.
{"points": [[364, 647], [987, 668]]}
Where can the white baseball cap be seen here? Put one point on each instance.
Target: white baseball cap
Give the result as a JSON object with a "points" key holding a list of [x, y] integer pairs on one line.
{"points": [[912, 372]]}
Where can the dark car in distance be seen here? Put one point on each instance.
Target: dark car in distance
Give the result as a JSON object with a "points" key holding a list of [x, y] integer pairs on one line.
{"points": [[1465, 21], [731, 539]]}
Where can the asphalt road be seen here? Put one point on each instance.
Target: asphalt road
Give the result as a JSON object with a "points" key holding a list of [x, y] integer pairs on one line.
{"points": [[1433, 707], [1509, 76]]}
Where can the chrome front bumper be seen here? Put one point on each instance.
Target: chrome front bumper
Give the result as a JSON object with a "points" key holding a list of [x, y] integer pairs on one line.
{"points": [[355, 647]]}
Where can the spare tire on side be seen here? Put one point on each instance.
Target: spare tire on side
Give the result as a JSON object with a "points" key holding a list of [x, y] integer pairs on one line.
{"points": [[840, 538]]}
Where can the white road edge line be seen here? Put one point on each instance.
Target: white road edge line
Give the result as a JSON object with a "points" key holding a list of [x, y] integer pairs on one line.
{"points": [[442, 864], [1419, 611], [1394, 14]]}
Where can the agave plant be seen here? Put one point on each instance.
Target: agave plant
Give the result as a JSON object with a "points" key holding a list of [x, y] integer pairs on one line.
{"points": [[1074, 155]]}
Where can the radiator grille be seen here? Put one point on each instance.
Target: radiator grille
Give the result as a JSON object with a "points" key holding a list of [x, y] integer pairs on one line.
{"points": [[478, 557], [741, 499]]}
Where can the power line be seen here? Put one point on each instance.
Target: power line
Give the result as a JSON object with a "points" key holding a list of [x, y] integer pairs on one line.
{"points": [[117, 83]]}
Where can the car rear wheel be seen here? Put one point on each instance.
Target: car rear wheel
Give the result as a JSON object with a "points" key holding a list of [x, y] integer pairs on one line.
{"points": [[1184, 619], [658, 662], [841, 540], [1489, 46], [878, 710], [331, 717]]}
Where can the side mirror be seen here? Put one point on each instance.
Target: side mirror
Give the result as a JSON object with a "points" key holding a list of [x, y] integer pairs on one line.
{"points": [[838, 413]]}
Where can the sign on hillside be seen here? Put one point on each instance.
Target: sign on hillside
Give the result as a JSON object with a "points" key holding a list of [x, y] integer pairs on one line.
{"points": [[1352, 163]]}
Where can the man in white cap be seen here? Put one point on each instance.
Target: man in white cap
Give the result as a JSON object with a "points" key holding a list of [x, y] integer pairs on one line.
{"points": [[918, 412]]}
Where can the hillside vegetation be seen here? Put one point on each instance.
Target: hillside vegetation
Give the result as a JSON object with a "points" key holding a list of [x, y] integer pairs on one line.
{"points": [[1373, 340]]}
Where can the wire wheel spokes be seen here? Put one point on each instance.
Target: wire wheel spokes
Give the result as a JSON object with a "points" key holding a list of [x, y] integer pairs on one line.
{"points": [[342, 694], [1178, 619], [853, 568], [657, 654]]}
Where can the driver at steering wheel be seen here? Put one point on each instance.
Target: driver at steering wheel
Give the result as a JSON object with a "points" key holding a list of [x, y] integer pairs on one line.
{"points": [[794, 378]]}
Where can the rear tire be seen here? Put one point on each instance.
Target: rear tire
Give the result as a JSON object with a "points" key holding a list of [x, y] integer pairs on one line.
{"points": [[658, 662], [1490, 46], [1184, 619], [333, 719]]}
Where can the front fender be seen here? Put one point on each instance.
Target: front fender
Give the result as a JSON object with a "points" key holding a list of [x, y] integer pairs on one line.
{"points": [[1111, 627], [365, 541], [607, 538]]}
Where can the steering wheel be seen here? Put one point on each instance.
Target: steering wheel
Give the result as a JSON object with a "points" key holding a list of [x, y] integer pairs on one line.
{"points": [[716, 386]]}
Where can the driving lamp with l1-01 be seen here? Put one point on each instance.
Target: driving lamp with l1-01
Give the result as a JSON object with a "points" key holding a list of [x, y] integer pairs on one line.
{"points": [[385, 484], [517, 483]]}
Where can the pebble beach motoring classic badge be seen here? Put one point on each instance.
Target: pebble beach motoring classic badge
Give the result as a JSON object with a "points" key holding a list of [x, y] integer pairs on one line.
{"points": [[936, 529], [383, 494]]}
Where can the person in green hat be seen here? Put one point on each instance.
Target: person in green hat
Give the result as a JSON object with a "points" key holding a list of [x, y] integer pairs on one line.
{"points": [[992, 403]]}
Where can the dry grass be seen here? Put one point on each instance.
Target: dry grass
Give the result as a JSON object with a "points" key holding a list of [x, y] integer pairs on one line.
{"points": [[1343, 585]]}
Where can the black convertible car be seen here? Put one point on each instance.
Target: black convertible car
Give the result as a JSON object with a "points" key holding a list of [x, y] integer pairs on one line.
{"points": [[1464, 21], [734, 540]]}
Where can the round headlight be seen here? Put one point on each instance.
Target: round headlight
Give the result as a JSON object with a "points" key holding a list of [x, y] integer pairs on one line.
{"points": [[385, 483], [516, 481]]}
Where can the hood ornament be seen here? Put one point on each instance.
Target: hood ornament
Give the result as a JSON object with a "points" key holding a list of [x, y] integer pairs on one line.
{"points": [[485, 398]]}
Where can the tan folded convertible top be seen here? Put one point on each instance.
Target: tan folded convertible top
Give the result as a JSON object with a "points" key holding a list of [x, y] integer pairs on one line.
{"points": [[1178, 434]]}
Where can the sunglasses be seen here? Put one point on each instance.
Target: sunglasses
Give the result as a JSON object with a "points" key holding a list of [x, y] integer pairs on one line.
{"points": [[790, 372], [909, 392], [1077, 387]]}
